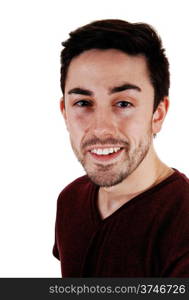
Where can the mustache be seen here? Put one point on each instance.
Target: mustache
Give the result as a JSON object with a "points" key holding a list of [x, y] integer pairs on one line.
{"points": [[96, 141]]}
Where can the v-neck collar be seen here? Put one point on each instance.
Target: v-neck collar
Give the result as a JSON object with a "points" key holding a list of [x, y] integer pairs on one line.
{"points": [[96, 216]]}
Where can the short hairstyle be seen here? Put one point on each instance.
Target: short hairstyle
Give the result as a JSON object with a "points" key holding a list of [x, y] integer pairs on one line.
{"points": [[131, 38]]}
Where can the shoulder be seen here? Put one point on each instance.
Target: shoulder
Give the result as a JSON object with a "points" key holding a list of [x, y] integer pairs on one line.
{"points": [[173, 207], [173, 229], [169, 204], [77, 184], [180, 186], [182, 178], [174, 188], [78, 187]]}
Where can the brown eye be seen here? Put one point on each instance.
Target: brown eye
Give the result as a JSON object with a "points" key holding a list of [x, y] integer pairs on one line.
{"points": [[83, 103], [123, 104]]}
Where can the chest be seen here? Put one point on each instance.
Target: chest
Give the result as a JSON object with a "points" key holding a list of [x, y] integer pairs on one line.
{"points": [[115, 247]]}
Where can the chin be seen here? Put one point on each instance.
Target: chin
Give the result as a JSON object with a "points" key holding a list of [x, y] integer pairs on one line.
{"points": [[107, 180]]}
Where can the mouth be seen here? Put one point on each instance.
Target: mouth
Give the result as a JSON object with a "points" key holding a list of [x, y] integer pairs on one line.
{"points": [[105, 154]]}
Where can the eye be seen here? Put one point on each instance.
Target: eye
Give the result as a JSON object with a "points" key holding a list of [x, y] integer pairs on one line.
{"points": [[82, 103], [124, 104]]}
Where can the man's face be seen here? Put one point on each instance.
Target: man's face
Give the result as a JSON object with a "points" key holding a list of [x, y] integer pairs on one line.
{"points": [[108, 109]]}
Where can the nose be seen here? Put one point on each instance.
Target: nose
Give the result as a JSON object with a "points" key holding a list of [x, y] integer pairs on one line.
{"points": [[103, 123]]}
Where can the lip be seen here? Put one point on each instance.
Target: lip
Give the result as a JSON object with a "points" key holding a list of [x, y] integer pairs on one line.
{"points": [[88, 149], [104, 158]]}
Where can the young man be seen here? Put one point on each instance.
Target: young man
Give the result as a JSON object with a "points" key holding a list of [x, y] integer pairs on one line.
{"points": [[129, 215]]}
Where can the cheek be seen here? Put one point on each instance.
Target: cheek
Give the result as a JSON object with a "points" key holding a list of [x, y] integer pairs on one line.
{"points": [[80, 124], [76, 127], [78, 119], [136, 128]]}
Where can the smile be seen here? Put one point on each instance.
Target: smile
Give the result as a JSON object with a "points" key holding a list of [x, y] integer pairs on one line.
{"points": [[106, 153]]}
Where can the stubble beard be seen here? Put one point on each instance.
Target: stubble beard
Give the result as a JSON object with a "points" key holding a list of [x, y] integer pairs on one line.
{"points": [[114, 173]]}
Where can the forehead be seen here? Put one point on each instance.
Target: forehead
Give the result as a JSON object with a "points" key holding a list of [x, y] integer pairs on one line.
{"points": [[104, 67]]}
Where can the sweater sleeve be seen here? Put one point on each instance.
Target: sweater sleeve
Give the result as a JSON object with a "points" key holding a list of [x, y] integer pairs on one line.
{"points": [[176, 243], [55, 248]]}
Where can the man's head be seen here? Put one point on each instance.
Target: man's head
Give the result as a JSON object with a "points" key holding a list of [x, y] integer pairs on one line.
{"points": [[131, 38], [115, 81]]}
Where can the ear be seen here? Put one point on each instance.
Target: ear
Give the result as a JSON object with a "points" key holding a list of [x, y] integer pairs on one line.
{"points": [[159, 115], [63, 109]]}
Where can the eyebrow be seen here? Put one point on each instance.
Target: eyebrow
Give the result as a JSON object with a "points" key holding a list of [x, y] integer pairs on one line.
{"points": [[116, 89], [124, 87], [80, 91]]}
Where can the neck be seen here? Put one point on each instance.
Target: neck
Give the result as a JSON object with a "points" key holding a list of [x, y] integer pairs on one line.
{"points": [[150, 172]]}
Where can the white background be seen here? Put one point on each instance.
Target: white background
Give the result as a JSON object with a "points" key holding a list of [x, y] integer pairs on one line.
{"points": [[36, 160]]}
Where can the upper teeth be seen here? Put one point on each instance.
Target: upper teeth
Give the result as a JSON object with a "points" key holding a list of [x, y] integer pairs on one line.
{"points": [[105, 151]]}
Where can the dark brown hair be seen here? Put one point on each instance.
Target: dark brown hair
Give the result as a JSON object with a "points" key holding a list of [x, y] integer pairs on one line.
{"points": [[131, 38]]}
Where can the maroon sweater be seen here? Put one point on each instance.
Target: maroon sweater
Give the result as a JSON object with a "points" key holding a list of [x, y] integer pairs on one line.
{"points": [[146, 237]]}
